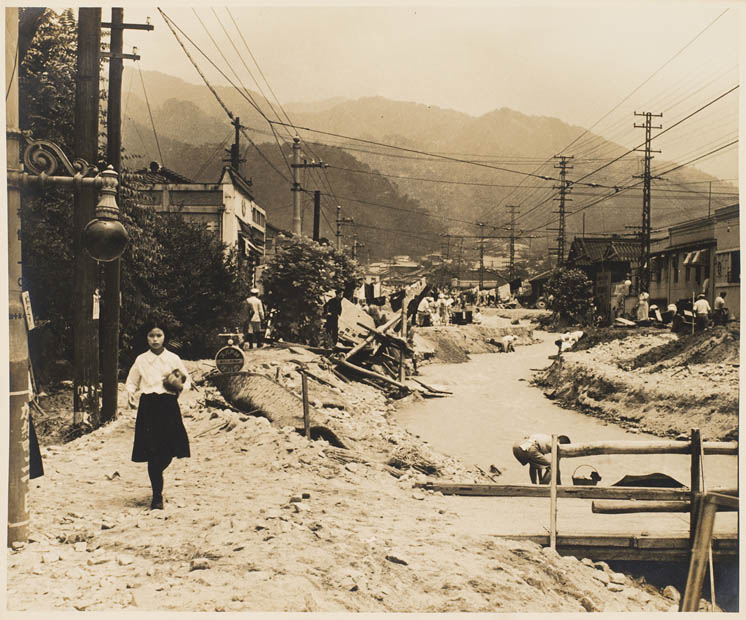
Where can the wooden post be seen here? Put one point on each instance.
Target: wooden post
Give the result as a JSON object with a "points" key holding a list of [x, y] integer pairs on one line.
{"points": [[86, 406], [695, 485], [700, 551], [109, 323], [18, 408], [402, 354], [306, 418], [553, 496]]}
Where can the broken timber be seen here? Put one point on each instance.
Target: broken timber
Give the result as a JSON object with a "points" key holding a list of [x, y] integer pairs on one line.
{"points": [[371, 337], [371, 374]]}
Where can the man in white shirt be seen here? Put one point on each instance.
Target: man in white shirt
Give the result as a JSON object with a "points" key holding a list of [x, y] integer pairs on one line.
{"points": [[533, 450], [701, 312], [719, 311], [255, 310]]}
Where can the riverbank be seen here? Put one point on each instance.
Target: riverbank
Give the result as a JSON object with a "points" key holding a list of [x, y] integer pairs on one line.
{"points": [[653, 381], [262, 519]]}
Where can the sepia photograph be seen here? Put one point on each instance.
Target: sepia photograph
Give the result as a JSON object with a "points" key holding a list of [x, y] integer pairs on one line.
{"points": [[384, 308]]}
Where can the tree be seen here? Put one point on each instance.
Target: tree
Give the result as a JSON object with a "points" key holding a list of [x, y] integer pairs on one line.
{"points": [[295, 282], [572, 294]]}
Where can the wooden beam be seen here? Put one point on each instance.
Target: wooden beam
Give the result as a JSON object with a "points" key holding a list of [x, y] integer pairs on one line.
{"points": [[623, 507], [578, 492], [695, 485], [644, 447], [373, 375], [361, 345]]}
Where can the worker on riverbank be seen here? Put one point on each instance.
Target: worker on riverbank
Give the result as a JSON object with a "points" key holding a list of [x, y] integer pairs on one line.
{"points": [[719, 311], [533, 450], [701, 312]]}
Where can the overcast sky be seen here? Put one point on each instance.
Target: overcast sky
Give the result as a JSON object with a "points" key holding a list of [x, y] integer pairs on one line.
{"points": [[572, 61]]}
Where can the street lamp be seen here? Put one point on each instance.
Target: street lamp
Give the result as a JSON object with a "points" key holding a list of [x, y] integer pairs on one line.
{"points": [[104, 237]]}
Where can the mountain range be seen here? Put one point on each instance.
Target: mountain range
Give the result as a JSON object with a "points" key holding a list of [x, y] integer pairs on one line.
{"points": [[449, 172]]}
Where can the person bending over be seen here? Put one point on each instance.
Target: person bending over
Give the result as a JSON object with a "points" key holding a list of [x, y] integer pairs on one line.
{"points": [[534, 450]]}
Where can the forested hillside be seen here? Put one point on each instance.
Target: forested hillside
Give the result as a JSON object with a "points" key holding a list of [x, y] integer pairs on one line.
{"points": [[457, 168]]}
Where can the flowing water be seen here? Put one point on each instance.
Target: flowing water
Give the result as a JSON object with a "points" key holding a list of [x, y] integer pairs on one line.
{"points": [[493, 405]]}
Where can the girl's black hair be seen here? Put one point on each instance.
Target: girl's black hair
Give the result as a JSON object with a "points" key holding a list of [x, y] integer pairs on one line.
{"points": [[141, 340]]}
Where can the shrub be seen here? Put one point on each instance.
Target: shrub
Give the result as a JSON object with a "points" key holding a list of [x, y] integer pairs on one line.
{"points": [[295, 281]]}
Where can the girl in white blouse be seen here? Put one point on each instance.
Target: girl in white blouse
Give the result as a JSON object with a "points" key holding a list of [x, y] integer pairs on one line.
{"points": [[159, 430]]}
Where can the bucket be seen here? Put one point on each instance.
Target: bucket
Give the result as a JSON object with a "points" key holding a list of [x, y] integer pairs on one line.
{"points": [[589, 476]]}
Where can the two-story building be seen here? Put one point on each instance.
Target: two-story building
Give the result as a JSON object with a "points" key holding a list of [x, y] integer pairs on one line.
{"points": [[226, 207], [699, 256], [727, 269]]}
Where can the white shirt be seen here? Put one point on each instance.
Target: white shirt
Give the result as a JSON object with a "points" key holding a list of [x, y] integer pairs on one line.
{"points": [[149, 370], [702, 306]]}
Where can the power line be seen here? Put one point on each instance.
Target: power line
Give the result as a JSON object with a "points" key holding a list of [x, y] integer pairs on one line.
{"points": [[150, 114]]}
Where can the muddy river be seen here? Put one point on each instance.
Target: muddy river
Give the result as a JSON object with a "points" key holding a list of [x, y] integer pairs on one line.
{"points": [[493, 405]]}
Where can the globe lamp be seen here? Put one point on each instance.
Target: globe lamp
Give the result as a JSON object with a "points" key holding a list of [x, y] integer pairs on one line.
{"points": [[104, 238]]}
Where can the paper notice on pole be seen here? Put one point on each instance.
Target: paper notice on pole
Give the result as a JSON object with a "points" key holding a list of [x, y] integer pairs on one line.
{"points": [[95, 306], [27, 308]]}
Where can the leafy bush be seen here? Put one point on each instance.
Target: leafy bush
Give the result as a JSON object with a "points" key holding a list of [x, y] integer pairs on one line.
{"points": [[295, 281], [572, 294]]}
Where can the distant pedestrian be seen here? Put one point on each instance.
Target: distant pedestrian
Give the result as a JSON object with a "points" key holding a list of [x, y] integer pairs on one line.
{"points": [[533, 450], [160, 376], [332, 312], [255, 316], [701, 312]]}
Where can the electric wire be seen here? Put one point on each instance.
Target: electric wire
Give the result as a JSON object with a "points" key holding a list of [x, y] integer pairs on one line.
{"points": [[150, 114]]}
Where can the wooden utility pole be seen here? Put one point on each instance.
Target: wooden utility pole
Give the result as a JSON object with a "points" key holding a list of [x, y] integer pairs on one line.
{"points": [[18, 423], [644, 273], [109, 328], [511, 271], [86, 405], [564, 188], [296, 188], [111, 298], [481, 254]]}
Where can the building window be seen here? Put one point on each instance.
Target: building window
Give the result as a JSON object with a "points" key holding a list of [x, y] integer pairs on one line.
{"points": [[675, 267], [734, 274]]}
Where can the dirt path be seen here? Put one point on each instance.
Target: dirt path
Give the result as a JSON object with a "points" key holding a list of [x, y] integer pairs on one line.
{"points": [[261, 519]]}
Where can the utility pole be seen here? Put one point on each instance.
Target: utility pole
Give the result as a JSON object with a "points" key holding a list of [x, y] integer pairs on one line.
{"points": [[235, 150], [86, 405], [111, 298], [644, 273], [18, 387], [296, 188], [354, 246], [316, 214], [511, 271], [564, 188], [481, 254], [341, 220]]}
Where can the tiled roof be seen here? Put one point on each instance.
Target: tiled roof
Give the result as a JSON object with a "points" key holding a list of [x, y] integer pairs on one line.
{"points": [[163, 175], [625, 250]]}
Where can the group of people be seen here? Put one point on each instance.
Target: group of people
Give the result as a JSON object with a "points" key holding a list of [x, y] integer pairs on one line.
{"points": [[703, 313]]}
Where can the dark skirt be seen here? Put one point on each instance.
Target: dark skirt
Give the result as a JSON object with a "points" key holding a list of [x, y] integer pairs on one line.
{"points": [[159, 430]]}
